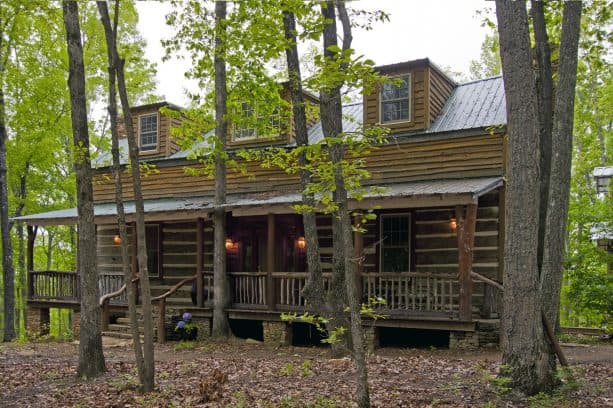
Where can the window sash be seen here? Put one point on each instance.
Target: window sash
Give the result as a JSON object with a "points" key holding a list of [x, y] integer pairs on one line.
{"points": [[148, 132], [247, 132], [396, 243], [395, 101]]}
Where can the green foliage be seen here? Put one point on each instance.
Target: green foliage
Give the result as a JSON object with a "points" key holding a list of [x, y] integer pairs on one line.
{"points": [[184, 345]]}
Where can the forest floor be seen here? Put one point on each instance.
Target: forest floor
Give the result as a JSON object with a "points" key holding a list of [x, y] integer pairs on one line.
{"points": [[248, 374]]}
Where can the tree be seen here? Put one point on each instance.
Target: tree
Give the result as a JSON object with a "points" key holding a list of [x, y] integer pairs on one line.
{"points": [[221, 327], [314, 290], [528, 357], [145, 376], [488, 64], [91, 360]]}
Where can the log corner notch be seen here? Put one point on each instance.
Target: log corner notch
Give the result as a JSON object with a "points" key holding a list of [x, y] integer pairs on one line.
{"points": [[466, 225]]}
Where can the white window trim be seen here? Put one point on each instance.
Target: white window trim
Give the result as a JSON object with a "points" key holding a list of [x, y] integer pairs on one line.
{"points": [[382, 238], [409, 78], [256, 136], [157, 133]]}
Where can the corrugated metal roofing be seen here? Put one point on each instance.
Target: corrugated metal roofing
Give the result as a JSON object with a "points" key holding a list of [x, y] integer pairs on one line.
{"points": [[470, 186], [476, 104], [352, 122]]}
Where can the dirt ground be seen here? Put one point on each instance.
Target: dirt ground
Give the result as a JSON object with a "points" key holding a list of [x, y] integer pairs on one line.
{"points": [[249, 374]]}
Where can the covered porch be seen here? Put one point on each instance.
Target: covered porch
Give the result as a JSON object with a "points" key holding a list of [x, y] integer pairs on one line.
{"points": [[417, 256]]}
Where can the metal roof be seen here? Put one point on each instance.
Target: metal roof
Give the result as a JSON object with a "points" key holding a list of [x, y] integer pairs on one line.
{"points": [[476, 104], [603, 171], [352, 122], [459, 191]]}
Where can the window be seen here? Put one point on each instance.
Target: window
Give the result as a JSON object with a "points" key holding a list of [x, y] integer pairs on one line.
{"points": [[395, 100], [249, 131], [148, 132], [396, 243], [152, 238]]}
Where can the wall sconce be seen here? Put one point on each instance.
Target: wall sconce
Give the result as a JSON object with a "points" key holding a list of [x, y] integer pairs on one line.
{"points": [[117, 240], [453, 223], [229, 244], [300, 243]]}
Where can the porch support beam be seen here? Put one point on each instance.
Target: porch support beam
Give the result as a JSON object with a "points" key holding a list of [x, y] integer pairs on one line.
{"points": [[358, 247], [466, 225], [134, 263], [270, 262], [199, 262], [30, 258]]}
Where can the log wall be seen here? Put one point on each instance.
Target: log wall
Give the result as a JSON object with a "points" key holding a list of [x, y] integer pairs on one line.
{"points": [[400, 160]]}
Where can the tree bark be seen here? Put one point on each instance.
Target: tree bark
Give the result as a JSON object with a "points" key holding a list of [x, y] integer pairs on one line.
{"points": [[111, 41], [221, 298], [559, 186], [91, 360], [544, 89], [314, 288], [7, 249], [331, 120], [525, 351]]}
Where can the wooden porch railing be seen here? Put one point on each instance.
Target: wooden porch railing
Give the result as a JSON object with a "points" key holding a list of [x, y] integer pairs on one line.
{"points": [[248, 288], [413, 291], [289, 287], [111, 283], [162, 306], [54, 285]]}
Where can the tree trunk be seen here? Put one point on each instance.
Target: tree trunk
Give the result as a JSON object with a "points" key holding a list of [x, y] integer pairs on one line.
{"points": [[111, 41], [7, 249], [331, 120], [91, 360], [559, 186], [525, 352], [544, 89], [314, 288], [221, 298]]}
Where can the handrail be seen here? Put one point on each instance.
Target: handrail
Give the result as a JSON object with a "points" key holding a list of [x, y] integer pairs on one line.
{"points": [[162, 299], [175, 288], [107, 298]]}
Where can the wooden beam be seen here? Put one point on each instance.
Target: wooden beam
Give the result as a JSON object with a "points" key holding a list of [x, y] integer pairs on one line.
{"points": [[199, 262], [270, 262], [466, 243], [134, 263], [358, 246]]}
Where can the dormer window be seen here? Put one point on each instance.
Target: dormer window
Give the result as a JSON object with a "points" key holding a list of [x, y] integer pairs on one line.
{"points": [[148, 132], [396, 100], [248, 130]]}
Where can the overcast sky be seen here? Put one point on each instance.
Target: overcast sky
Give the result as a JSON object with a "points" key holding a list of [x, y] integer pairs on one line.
{"points": [[446, 31]]}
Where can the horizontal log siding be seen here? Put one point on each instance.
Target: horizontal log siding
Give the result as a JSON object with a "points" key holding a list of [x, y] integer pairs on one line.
{"points": [[418, 104], [109, 254], [399, 161], [436, 248], [440, 90]]}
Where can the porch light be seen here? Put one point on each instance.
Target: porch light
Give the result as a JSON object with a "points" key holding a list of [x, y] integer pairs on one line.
{"points": [[117, 240], [229, 244], [453, 223], [300, 243]]}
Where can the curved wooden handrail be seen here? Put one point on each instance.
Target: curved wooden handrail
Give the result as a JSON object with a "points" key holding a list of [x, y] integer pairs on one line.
{"points": [[174, 288], [106, 298]]}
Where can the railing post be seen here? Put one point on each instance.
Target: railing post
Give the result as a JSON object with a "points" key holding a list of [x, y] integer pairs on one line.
{"points": [[466, 242], [161, 320], [270, 263], [199, 263]]}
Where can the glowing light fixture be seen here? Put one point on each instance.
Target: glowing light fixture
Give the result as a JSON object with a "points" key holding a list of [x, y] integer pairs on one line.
{"points": [[300, 243], [453, 223], [116, 240], [229, 244]]}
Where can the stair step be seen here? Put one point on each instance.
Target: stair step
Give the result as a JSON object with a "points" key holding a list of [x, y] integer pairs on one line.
{"points": [[118, 335]]}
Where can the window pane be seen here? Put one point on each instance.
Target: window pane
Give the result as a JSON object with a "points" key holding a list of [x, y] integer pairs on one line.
{"points": [[395, 110], [395, 260], [151, 235], [148, 132], [395, 91]]}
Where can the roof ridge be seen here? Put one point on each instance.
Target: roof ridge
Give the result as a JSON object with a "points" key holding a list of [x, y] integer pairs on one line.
{"points": [[480, 80]]}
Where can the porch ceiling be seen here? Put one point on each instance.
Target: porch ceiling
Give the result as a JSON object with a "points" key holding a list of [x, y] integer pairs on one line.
{"points": [[413, 194]]}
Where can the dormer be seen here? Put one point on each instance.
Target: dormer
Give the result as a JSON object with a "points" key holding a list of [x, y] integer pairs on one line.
{"points": [[152, 129], [275, 129], [411, 100]]}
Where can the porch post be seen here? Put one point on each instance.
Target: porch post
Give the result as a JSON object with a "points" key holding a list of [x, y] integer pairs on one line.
{"points": [[199, 263], [466, 243], [358, 246], [270, 262], [134, 262], [30, 258]]}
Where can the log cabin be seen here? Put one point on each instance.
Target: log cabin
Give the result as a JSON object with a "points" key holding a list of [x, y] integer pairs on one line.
{"points": [[440, 217]]}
